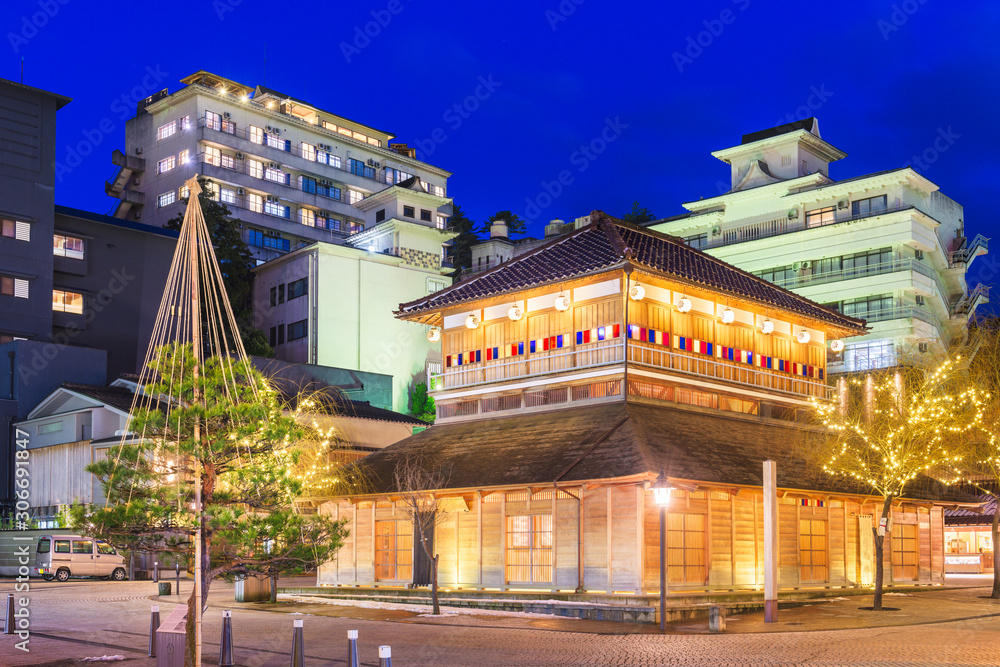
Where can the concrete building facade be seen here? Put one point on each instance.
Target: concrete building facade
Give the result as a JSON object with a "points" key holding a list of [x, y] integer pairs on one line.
{"points": [[887, 247], [293, 173]]}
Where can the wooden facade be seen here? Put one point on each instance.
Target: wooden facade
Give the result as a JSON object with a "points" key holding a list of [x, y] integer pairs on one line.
{"points": [[523, 540]]}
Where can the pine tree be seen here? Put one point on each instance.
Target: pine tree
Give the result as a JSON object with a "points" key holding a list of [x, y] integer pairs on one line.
{"points": [[461, 245], [638, 214]]}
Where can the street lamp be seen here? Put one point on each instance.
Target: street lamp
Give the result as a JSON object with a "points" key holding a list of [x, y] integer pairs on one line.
{"points": [[661, 496]]}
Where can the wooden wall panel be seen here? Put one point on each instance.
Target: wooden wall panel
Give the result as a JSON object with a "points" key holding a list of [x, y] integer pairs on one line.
{"points": [[651, 546], [493, 542], [745, 546], [467, 548], [936, 530], [445, 546], [624, 522], [720, 541], [595, 535], [837, 535], [58, 476], [363, 537], [788, 545], [566, 531]]}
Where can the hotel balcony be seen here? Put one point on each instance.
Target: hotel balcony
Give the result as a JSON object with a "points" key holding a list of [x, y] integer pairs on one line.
{"points": [[645, 360]]}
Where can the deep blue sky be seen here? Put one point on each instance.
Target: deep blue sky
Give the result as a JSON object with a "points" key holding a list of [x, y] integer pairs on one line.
{"points": [[890, 85]]}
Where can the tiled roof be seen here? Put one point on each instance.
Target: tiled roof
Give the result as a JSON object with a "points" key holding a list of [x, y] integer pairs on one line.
{"points": [[807, 124], [116, 397], [966, 517], [607, 243], [611, 441]]}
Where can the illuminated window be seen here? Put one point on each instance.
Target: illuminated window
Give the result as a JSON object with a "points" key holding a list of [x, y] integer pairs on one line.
{"points": [[184, 156], [184, 192], [274, 141], [434, 189], [213, 120], [15, 287], [904, 552], [394, 550], [67, 302], [213, 156], [166, 130], [442, 222], [276, 209], [166, 164], [256, 134], [255, 168], [328, 158], [353, 196], [529, 549], [393, 176], [185, 122], [307, 217], [166, 199], [227, 196], [255, 203], [67, 246], [15, 229], [308, 151], [227, 162], [276, 176], [821, 216], [812, 550], [686, 549]]}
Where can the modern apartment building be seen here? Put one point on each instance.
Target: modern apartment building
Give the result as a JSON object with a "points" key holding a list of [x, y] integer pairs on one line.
{"points": [[887, 247], [293, 173]]}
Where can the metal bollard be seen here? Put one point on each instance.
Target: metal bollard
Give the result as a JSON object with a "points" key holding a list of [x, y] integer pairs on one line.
{"points": [[352, 648], [8, 621], [154, 623], [226, 648], [384, 656], [156, 571], [298, 647], [177, 567]]}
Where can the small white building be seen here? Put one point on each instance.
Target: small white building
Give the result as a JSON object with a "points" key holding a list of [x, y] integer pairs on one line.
{"points": [[887, 247]]}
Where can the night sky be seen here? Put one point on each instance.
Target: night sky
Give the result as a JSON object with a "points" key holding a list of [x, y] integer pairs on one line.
{"points": [[534, 82]]}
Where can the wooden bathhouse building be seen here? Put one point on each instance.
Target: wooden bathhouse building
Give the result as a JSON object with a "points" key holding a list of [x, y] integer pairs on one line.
{"points": [[576, 374]]}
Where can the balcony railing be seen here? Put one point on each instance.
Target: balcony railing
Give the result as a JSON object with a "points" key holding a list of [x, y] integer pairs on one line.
{"points": [[882, 268], [610, 353], [781, 226], [969, 250]]}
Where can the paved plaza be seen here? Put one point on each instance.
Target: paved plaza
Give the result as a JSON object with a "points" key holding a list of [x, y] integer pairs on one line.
{"points": [[84, 618]]}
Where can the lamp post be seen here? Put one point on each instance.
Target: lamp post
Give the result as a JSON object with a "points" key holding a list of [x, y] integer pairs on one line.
{"points": [[661, 496]]}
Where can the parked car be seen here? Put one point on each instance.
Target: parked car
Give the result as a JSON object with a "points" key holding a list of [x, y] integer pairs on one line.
{"points": [[60, 557]]}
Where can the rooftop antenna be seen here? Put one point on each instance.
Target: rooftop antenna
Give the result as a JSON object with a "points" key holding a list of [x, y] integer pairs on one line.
{"points": [[22, 70]]}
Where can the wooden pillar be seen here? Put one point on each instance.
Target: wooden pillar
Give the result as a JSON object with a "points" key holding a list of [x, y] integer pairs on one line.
{"points": [[770, 542], [607, 530], [479, 533]]}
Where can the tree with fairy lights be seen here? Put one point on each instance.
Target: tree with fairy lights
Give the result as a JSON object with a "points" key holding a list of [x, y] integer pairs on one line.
{"points": [[982, 468], [892, 426]]}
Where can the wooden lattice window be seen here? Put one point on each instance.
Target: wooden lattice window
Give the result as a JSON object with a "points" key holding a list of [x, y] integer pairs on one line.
{"points": [[686, 560], [812, 550], [394, 550], [529, 549], [904, 552]]}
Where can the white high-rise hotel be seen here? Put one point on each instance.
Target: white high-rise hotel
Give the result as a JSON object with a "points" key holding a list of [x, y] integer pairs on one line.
{"points": [[888, 247], [292, 172]]}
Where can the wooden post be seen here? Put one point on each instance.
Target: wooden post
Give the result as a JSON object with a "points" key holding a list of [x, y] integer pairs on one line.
{"points": [[770, 542]]}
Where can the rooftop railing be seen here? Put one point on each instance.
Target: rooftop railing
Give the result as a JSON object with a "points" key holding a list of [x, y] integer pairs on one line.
{"points": [[882, 268], [611, 353]]}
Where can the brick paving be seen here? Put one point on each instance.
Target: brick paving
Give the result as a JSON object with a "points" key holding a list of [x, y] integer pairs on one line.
{"points": [[937, 627]]}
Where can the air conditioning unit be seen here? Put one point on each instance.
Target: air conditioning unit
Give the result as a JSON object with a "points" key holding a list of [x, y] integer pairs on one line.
{"points": [[920, 300], [716, 231], [227, 115], [842, 203], [273, 165], [919, 254], [269, 128], [138, 151], [277, 132], [272, 200], [323, 181], [922, 347], [239, 225], [319, 147], [138, 214], [806, 264], [239, 156], [327, 147], [794, 213], [135, 181], [240, 191], [323, 214]]}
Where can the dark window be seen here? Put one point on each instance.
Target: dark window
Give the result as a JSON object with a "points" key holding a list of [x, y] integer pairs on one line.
{"points": [[779, 275], [308, 184], [44, 544], [425, 215], [359, 168], [407, 211], [281, 334], [868, 206], [380, 215], [273, 338], [297, 288], [281, 293], [274, 296], [297, 330], [697, 241]]}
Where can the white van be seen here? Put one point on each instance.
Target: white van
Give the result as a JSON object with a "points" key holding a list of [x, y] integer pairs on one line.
{"points": [[63, 556]]}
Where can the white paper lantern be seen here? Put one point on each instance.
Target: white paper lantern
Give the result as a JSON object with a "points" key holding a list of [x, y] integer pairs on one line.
{"points": [[728, 316], [767, 326], [637, 292], [515, 313], [802, 336], [472, 321], [434, 334], [562, 302], [837, 345], [684, 305]]}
